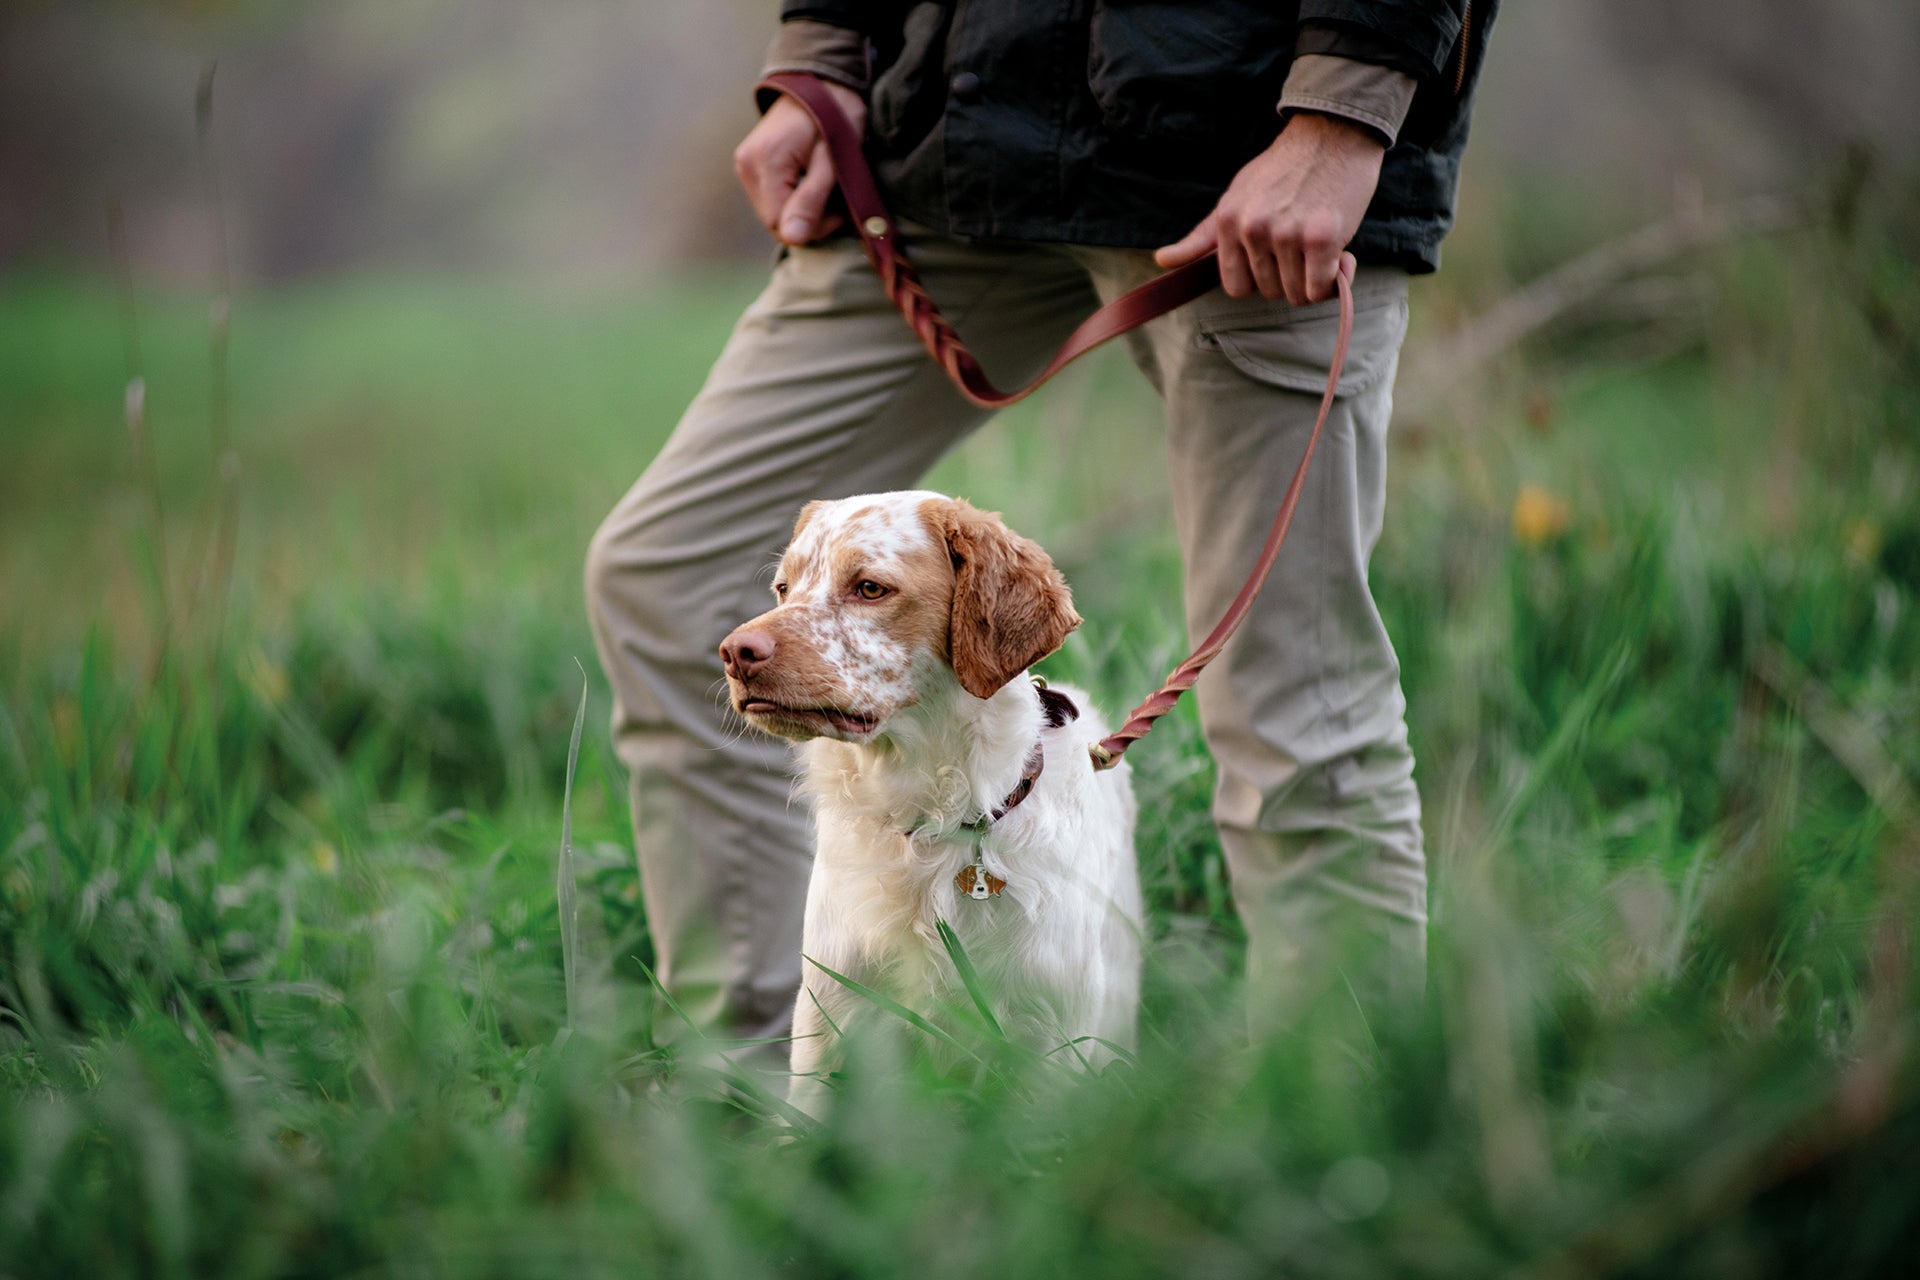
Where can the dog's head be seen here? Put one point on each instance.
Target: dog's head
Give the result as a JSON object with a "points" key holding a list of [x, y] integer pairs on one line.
{"points": [[886, 600]]}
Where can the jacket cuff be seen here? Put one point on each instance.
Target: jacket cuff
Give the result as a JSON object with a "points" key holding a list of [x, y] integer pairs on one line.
{"points": [[1363, 92], [831, 52]]}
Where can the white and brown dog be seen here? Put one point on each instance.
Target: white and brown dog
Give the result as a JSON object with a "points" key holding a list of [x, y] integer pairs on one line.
{"points": [[946, 784]]}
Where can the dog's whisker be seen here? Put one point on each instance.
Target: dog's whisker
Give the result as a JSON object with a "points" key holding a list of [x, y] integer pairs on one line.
{"points": [[736, 729]]}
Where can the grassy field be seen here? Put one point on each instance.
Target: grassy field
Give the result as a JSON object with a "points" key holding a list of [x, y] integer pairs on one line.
{"points": [[283, 759]]}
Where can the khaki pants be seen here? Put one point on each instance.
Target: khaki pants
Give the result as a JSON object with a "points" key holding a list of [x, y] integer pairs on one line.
{"points": [[823, 392]]}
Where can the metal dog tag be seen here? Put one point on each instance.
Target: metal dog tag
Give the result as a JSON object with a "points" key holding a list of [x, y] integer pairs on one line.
{"points": [[978, 883]]}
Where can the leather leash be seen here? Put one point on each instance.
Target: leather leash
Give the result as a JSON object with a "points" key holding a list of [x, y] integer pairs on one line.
{"points": [[880, 236]]}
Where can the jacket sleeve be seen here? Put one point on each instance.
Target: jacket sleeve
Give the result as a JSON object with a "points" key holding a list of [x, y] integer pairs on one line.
{"points": [[1361, 60], [1364, 92], [829, 51], [1414, 36], [851, 14]]}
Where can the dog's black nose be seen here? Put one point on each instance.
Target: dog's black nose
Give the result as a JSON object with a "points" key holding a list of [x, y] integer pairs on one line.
{"points": [[746, 651]]}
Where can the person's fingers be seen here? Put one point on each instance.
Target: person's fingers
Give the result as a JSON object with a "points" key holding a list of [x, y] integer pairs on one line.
{"points": [[1197, 243], [1293, 276], [771, 159], [1236, 277], [746, 169], [1266, 261], [803, 213], [766, 183], [1320, 249]]}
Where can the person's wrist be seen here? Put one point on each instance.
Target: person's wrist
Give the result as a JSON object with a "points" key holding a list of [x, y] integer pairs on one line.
{"points": [[1335, 131]]}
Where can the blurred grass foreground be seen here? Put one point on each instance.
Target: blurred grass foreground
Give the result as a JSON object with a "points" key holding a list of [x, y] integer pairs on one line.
{"points": [[290, 635]]}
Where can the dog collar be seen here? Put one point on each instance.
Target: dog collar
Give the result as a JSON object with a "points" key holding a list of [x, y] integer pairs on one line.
{"points": [[977, 829], [974, 880]]}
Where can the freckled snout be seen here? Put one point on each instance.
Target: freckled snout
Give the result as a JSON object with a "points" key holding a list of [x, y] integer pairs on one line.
{"points": [[746, 651]]}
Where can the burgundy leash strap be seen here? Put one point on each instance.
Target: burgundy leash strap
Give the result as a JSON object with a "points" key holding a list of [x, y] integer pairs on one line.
{"points": [[880, 236], [1107, 751]]}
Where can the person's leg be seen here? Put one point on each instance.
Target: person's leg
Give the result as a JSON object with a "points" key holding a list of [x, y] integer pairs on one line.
{"points": [[822, 392], [1303, 711]]}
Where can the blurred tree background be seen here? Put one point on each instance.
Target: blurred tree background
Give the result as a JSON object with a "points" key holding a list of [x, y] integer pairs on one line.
{"points": [[594, 136]]}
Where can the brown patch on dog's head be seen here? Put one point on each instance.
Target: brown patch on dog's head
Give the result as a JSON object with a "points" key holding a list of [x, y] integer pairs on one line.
{"points": [[1011, 607], [807, 513]]}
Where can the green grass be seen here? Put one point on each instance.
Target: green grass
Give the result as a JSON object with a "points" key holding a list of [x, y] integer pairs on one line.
{"points": [[282, 984]]}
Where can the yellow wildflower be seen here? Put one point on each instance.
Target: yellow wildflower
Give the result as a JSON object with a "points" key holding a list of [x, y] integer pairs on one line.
{"points": [[1539, 516], [1863, 542], [327, 858]]}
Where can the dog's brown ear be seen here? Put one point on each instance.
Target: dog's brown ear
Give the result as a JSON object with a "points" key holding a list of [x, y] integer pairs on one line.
{"points": [[1011, 607]]}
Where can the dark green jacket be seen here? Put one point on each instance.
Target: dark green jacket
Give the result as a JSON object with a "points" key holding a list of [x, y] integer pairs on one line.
{"points": [[1121, 122]]}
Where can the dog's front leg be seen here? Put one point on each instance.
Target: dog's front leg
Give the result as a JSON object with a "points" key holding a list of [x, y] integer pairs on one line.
{"points": [[816, 1050]]}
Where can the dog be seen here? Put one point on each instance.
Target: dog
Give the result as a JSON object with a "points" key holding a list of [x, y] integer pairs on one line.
{"points": [[947, 783]]}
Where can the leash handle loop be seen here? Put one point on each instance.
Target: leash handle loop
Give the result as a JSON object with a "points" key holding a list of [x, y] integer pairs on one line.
{"points": [[880, 237]]}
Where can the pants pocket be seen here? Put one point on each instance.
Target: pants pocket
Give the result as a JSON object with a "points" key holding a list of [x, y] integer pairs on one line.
{"points": [[1292, 347]]}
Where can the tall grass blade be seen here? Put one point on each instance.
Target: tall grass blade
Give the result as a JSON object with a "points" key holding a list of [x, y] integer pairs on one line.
{"points": [[738, 1078], [969, 977], [154, 565], [743, 1084], [568, 891], [1114, 1047], [666, 997], [1563, 743], [226, 459], [825, 1016], [894, 1007]]}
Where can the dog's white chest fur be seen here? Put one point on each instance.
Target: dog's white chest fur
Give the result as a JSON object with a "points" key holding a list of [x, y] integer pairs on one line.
{"points": [[1057, 946]]}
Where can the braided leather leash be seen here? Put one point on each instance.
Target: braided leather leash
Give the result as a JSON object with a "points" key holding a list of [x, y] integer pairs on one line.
{"points": [[881, 239]]}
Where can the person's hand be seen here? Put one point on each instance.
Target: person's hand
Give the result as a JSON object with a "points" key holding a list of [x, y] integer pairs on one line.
{"points": [[784, 166], [1287, 215]]}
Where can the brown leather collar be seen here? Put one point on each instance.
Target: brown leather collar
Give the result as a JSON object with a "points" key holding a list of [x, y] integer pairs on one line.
{"points": [[1058, 708], [974, 880], [1036, 764]]}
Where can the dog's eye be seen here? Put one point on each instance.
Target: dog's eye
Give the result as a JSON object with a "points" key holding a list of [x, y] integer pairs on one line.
{"points": [[868, 589], [779, 591]]}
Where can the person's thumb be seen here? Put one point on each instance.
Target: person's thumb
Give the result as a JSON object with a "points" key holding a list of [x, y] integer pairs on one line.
{"points": [[1195, 244], [800, 217]]}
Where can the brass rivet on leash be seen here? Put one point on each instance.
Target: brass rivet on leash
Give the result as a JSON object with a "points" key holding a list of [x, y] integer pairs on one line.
{"points": [[876, 226]]}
